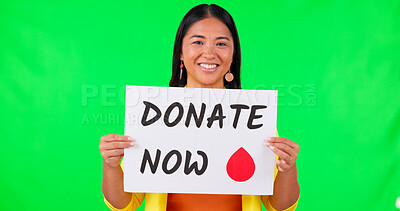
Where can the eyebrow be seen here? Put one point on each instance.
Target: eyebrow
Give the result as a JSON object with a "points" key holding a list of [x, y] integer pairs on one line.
{"points": [[201, 36]]}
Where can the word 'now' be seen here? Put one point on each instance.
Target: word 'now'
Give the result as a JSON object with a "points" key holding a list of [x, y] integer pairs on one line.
{"points": [[188, 168]]}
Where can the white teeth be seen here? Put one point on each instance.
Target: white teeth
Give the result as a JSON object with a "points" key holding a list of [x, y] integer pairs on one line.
{"points": [[211, 66]]}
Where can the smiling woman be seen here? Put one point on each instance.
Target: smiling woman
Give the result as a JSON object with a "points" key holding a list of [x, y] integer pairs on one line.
{"points": [[206, 55], [206, 49]]}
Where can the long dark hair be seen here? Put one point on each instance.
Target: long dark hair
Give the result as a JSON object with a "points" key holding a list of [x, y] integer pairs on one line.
{"points": [[198, 13]]}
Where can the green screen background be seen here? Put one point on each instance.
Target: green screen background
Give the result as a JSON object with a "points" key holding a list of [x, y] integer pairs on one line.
{"points": [[64, 65]]}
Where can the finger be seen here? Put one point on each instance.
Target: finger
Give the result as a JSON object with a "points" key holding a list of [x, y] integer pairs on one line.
{"points": [[116, 137], [290, 151], [118, 157], [278, 140], [282, 166], [113, 161], [281, 154], [118, 145], [291, 143], [112, 153]]}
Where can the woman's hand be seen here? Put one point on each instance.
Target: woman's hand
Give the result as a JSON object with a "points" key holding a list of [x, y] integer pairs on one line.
{"points": [[112, 148], [286, 150], [286, 186]]}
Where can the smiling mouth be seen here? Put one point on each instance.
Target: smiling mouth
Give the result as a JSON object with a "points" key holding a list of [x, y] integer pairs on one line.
{"points": [[208, 67]]}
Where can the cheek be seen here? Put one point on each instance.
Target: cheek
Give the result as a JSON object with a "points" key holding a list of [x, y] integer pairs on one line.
{"points": [[190, 55], [227, 57]]}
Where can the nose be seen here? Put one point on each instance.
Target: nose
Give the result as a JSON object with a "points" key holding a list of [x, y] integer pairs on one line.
{"points": [[209, 52]]}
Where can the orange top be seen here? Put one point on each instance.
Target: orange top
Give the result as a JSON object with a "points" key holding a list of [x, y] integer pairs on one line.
{"points": [[200, 202]]}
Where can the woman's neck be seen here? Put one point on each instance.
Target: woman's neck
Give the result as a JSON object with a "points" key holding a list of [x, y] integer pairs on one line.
{"points": [[218, 85]]}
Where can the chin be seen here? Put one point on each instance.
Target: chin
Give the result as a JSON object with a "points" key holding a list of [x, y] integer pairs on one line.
{"points": [[208, 81]]}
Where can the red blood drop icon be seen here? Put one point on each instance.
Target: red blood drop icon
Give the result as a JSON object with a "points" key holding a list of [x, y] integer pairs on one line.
{"points": [[240, 166]]}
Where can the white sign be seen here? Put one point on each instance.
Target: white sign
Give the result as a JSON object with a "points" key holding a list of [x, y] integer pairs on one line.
{"points": [[191, 140]]}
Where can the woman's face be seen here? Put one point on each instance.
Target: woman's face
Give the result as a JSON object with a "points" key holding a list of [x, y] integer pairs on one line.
{"points": [[207, 51]]}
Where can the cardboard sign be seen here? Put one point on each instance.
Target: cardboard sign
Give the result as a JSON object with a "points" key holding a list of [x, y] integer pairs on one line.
{"points": [[191, 140]]}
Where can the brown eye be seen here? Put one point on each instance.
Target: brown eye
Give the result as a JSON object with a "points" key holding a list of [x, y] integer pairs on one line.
{"points": [[198, 42], [221, 44]]}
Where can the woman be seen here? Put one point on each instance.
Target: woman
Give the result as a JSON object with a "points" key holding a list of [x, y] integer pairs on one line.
{"points": [[206, 55]]}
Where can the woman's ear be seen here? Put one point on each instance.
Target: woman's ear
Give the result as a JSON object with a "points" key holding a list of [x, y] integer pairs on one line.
{"points": [[181, 56]]}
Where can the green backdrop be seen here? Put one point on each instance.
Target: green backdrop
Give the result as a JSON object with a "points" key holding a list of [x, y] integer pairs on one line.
{"points": [[64, 65]]}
